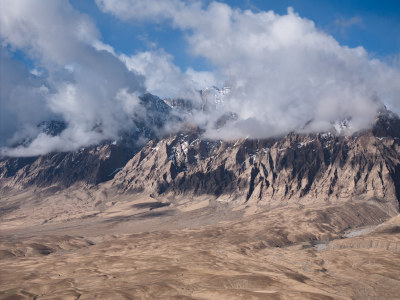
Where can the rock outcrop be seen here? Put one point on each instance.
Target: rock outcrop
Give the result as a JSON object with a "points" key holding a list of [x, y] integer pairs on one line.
{"points": [[91, 165], [309, 167], [301, 168]]}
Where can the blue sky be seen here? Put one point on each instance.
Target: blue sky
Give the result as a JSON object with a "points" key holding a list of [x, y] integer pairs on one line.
{"points": [[375, 25], [287, 63]]}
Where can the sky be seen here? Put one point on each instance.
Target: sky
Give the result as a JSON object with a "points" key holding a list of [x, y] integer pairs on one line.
{"points": [[375, 25], [288, 63]]}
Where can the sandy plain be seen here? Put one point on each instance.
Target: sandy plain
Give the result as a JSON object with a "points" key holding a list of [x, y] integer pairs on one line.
{"points": [[93, 244]]}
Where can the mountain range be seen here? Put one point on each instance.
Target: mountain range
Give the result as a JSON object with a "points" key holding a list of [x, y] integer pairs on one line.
{"points": [[328, 166], [162, 213]]}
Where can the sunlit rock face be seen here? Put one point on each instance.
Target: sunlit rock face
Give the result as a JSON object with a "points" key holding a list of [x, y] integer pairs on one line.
{"points": [[297, 167], [315, 167]]}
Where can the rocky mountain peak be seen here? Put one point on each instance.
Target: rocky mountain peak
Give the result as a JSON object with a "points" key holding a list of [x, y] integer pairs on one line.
{"points": [[294, 168], [52, 127], [297, 167]]}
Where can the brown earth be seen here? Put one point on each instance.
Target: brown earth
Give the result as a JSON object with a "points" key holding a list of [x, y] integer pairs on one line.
{"points": [[132, 246], [305, 216]]}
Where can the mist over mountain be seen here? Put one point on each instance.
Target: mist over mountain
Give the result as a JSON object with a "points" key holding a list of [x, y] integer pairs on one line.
{"points": [[282, 70], [335, 165]]}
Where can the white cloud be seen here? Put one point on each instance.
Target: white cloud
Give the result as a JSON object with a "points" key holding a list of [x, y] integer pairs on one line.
{"points": [[22, 104], [283, 71], [141, 10], [83, 81], [49, 30], [163, 78]]}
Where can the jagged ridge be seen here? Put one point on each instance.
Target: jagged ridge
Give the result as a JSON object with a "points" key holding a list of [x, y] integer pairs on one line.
{"points": [[308, 167], [298, 167]]}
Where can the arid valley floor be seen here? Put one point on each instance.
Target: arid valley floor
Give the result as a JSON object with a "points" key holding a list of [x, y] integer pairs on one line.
{"points": [[92, 244]]}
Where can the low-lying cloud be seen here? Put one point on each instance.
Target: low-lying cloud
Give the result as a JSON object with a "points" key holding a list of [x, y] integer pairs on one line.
{"points": [[81, 85], [283, 72], [165, 79]]}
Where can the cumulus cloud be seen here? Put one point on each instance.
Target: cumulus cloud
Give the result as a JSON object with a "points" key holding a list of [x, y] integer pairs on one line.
{"points": [[283, 71], [164, 79], [22, 95], [82, 84], [48, 30]]}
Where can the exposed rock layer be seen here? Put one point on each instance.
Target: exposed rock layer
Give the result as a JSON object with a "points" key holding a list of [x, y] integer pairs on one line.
{"points": [[297, 167], [309, 167], [91, 165]]}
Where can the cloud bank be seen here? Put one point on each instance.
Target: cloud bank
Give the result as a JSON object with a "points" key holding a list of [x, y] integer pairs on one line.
{"points": [[283, 72], [81, 85], [165, 79]]}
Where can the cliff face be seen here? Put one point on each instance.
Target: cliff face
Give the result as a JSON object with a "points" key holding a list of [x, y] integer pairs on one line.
{"points": [[90, 165], [303, 168]]}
